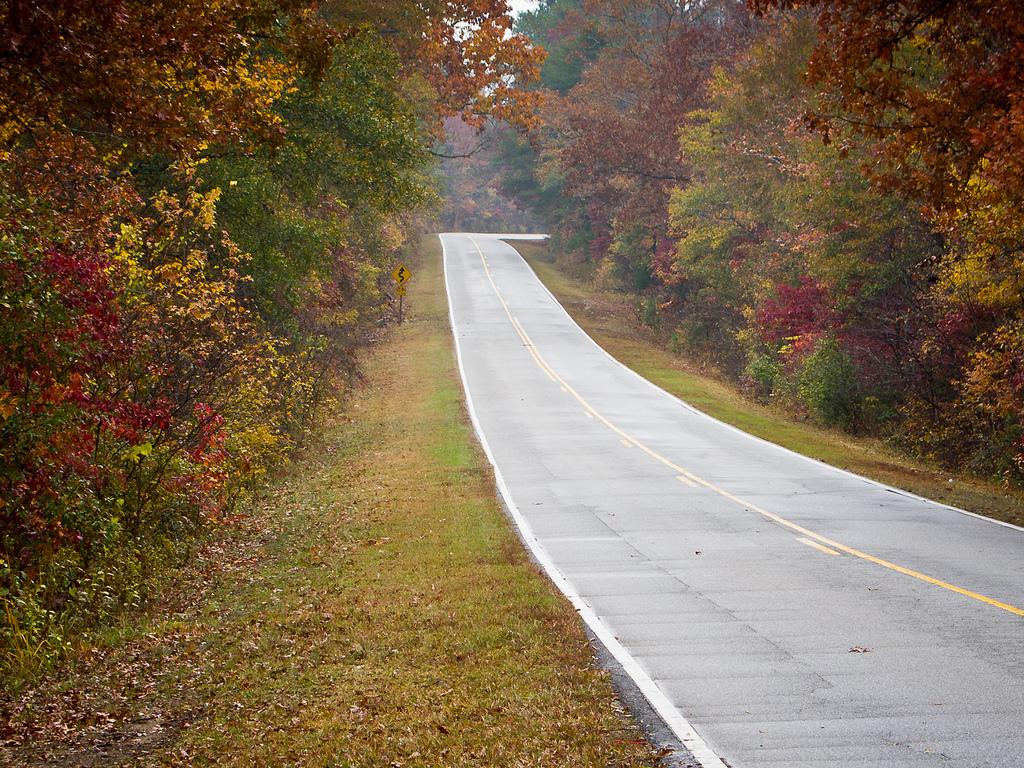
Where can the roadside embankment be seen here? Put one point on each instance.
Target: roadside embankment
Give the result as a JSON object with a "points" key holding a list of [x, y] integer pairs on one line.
{"points": [[377, 609]]}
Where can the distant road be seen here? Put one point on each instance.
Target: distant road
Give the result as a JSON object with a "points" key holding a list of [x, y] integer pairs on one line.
{"points": [[778, 612]]}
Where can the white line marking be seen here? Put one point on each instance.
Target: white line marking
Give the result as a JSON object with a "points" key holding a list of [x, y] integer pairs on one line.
{"points": [[675, 720]]}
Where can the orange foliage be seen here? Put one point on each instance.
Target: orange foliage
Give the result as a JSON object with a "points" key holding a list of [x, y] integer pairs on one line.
{"points": [[463, 49]]}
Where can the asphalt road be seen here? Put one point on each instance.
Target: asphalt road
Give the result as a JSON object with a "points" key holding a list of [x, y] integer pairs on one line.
{"points": [[776, 611]]}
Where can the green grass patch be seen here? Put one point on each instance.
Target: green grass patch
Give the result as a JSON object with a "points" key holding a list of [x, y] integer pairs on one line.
{"points": [[612, 321]]}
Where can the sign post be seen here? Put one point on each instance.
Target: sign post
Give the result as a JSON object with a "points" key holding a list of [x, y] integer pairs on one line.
{"points": [[401, 275]]}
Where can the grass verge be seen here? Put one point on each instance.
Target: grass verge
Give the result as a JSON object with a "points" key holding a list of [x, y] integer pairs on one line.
{"points": [[612, 322], [376, 610]]}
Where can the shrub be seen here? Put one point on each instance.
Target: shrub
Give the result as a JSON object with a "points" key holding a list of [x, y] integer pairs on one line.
{"points": [[762, 371], [827, 385]]}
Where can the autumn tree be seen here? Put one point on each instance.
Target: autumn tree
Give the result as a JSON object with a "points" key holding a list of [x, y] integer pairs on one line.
{"points": [[197, 205], [790, 271], [160, 77], [936, 93], [613, 133], [939, 87], [841, 231], [469, 172], [463, 51]]}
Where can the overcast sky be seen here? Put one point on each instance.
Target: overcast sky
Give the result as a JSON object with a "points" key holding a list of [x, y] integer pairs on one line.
{"points": [[522, 5]]}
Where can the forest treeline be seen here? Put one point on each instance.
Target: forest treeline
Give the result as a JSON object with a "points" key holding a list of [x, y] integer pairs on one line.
{"points": [[822, 199], [199, 207]]}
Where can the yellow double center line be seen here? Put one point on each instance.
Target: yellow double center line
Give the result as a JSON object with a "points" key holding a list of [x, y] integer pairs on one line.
{"points": [[689, 478]]}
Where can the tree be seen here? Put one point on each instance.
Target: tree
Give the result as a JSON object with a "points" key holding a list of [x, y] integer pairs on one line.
{"points": [[464, 51], [936, 91], [197, 205], [787, 259], [614, 131], [939, 89]]}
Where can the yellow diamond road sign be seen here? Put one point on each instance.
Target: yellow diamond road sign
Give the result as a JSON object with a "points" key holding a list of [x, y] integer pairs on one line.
{"points": [[401, 274]]}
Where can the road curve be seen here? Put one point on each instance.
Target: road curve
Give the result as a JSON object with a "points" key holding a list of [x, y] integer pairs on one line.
{"points": [[776, 611]]}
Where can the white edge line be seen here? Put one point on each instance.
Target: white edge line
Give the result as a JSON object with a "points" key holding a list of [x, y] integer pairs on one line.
{"points": [[776, 446], [673, 718]]}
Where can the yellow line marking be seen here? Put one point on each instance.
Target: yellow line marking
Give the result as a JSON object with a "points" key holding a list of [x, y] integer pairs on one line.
{"points": [[806, 532], [686, 481], [544, 369], [626, 443], [527, 342], [589, 414], [817, 546]]}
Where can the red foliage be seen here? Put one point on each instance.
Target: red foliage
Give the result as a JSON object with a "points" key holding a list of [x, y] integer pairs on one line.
{"points": [[60, 326], [803, 310]]}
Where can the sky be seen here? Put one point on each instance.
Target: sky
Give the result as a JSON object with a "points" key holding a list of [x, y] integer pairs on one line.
{"points": [[518, 6]]}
